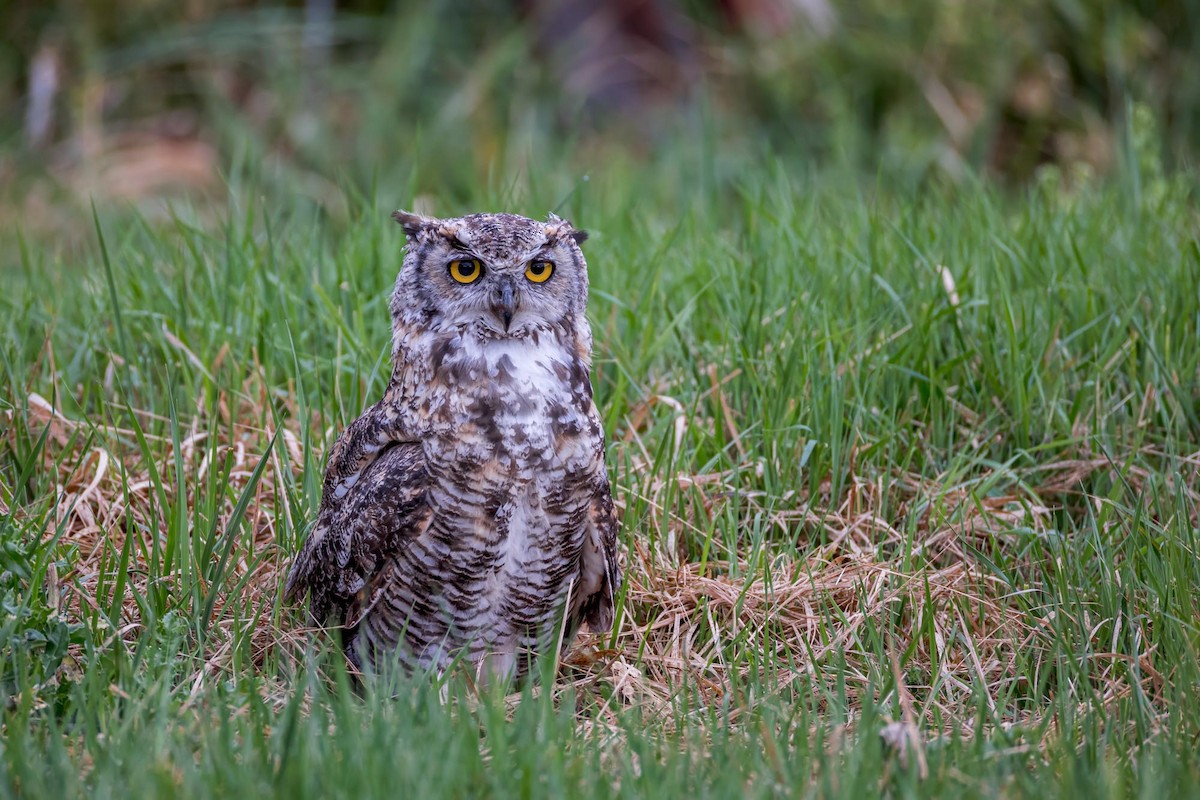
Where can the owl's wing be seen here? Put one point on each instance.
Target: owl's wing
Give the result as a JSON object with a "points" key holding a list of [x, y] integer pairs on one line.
{"points": [[373, 500], [599, 572]]}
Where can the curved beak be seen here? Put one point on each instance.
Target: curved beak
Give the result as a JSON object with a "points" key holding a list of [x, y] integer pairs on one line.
{"points": [[505, 302]]}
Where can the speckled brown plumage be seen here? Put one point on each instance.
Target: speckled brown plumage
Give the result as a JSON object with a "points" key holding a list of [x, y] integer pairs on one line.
{"points": [[464, 513]]}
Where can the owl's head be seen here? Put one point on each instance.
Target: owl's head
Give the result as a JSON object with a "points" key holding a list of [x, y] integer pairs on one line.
{"points": [[497, 275]]}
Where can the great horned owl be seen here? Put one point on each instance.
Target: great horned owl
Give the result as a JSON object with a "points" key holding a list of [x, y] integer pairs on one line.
{"points": [[464, 513]]}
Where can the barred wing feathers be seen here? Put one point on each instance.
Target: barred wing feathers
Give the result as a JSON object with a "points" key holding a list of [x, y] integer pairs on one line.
{"points": [[365, 516]]}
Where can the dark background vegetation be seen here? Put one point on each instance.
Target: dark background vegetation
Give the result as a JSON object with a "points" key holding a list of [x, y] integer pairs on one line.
{"points": [[142, 98]]}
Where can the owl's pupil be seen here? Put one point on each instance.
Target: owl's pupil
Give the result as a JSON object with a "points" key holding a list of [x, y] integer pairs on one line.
{"points": [[538, 269]]}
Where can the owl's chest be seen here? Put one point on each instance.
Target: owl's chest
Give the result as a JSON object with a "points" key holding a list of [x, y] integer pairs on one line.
{"points": [[513, 448], [511, 411]]}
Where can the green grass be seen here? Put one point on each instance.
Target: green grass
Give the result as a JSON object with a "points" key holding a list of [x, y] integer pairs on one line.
{"points": [[849, 487]]}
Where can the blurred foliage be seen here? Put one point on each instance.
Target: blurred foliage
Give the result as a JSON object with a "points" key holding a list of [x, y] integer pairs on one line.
{"points": [[132, 98], [1003, 84]]}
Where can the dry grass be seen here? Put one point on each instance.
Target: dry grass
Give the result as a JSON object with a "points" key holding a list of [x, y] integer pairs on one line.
{"points": [[896, 553]]}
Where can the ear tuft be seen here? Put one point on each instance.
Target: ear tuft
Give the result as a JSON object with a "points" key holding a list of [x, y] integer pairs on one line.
{"points": [[556, 226], [414, 224]]}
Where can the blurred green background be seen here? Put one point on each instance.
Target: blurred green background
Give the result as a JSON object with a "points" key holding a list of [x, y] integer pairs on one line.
{"points": [[145, 99]]}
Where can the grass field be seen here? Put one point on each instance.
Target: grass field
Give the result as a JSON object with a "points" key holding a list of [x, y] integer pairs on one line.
{"points": [[907, 464]]}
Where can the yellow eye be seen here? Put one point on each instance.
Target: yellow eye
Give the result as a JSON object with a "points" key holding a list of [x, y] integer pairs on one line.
{"points": [[466, 270], [539, 271]]}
